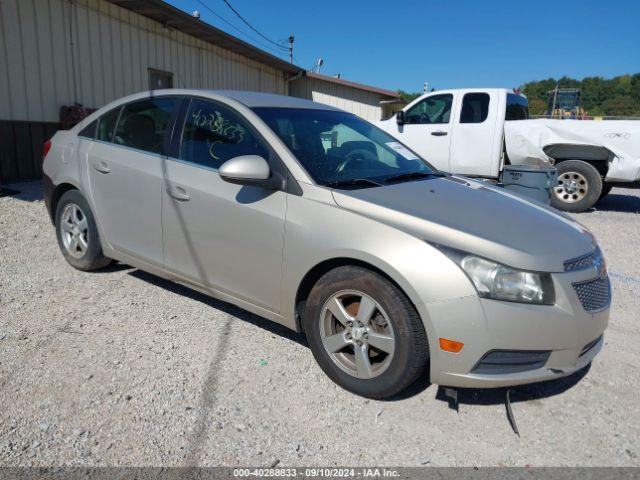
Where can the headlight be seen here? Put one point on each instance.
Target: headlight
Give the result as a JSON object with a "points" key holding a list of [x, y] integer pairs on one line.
{"points": [[499, 282]]}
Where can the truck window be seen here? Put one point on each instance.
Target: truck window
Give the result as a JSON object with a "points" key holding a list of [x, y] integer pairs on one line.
{"points": [[475, 107], [433, 109], [517, 107]]}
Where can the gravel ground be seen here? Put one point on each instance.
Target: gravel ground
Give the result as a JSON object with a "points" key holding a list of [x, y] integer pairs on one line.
{"points": [[122, 368]]}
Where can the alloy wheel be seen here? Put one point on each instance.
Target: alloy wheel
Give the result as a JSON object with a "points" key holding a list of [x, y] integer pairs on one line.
{"points": [[357, 334], [74, 230]]}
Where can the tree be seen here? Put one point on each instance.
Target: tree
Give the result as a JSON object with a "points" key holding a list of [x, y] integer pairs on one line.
{"points": [[537, 106], [407, 96]]}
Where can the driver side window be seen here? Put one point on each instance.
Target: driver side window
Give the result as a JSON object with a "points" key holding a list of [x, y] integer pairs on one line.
{"points": [[432, 110], [214, 134]]}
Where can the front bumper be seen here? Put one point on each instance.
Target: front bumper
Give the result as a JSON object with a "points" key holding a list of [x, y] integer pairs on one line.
{"points": [[569, 335]]}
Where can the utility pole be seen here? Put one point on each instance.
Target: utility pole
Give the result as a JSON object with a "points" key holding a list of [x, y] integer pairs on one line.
{"points": [[291, 48]]}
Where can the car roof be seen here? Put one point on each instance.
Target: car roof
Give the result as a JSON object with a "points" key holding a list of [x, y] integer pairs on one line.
{"points": [[247, 98], [259, 99]]}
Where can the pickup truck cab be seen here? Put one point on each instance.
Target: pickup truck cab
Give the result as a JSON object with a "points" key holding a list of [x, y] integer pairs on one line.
{"points": [[459, 131], [477, 131]]}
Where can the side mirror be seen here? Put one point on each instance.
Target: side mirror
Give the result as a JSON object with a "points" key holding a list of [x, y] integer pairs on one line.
{"points": [[400, 119], [249, 170]]}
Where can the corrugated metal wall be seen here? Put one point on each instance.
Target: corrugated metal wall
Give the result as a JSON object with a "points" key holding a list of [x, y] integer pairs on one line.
{"points": [[362, 103], [54, 53]]}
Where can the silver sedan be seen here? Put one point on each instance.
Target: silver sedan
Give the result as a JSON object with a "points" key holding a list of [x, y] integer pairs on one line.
{"points": [[315, 219]]}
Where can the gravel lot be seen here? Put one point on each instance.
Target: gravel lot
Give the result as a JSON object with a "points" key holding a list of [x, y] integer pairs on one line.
{"points": [[122, 368]]}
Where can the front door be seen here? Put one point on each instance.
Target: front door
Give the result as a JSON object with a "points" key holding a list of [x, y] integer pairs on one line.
{"points": [[427, 129], [216, 234], [125, 175]]}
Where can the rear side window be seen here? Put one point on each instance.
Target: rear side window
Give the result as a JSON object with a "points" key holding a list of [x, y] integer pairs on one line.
{"points": [[213, 134], [475, 107], [143, 124], [517, 107], [107, 125], [89, 131], [432, 110]]}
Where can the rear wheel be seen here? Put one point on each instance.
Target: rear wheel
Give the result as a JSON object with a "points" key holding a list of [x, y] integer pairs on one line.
{"points": [[364, 332], [78, 234], [579, 186]]}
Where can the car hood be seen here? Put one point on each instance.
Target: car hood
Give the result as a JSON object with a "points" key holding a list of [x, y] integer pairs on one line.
{"points": [[474, 217]]}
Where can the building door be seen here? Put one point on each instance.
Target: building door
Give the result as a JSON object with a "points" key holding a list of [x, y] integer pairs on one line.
{"points": [[159, 79]]}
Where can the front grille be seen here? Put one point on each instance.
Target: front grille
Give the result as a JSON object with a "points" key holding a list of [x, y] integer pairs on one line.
{"points": [[496, 362], [580, 263], [589, 346], [594, 294]]}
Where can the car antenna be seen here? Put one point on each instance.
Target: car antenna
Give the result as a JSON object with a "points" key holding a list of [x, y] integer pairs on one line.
{"points": [[510, 417]]}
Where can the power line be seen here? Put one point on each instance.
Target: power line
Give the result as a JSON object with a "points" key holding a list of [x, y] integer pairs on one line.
{"points": [[252, 27], [262, 44]]}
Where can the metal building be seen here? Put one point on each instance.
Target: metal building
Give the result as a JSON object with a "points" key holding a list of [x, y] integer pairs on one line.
{"points": [[62, 53], [370, 103]]}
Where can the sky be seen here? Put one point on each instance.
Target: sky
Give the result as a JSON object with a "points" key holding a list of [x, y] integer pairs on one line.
{"points": [[447, 43]]}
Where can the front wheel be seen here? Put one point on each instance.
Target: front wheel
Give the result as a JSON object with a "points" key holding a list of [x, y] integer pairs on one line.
{"points": [[364, 333], [579, 186]]}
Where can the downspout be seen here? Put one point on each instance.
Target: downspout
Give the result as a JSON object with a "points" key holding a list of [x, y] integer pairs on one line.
{"points": [[291, 79]]}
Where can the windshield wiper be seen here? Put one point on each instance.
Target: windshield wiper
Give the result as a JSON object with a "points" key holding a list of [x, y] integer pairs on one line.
{"points": [[411, 176], [355, 182]]}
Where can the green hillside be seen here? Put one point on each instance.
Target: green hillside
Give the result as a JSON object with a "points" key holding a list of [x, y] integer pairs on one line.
{"points": [[600, 96]]}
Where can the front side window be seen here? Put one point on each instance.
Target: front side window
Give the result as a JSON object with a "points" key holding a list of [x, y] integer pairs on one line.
{"points": [[107, 125], [339, 149], [214, 134], [475, 107], [432, 110], [143, 124]]}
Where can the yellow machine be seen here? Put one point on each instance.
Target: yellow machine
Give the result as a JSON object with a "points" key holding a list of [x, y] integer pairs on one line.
{"points": [[564, 103]]}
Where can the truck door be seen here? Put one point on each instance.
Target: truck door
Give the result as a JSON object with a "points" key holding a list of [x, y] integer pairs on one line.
{"points": [[473, 145], [427, 129]]}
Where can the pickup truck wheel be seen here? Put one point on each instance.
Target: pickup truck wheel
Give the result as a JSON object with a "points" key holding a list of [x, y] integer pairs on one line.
{"points": [[364, 332], [579, 186], [606, 189]]}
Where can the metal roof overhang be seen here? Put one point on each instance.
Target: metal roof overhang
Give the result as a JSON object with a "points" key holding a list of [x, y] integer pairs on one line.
{"points": [[172, 17]]}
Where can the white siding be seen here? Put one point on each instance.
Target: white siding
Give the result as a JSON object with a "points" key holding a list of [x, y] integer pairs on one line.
{"points": [[55, 53], [359, 102]]}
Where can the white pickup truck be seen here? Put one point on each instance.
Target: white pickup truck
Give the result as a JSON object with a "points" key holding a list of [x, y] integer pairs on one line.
{"points": [[475, 132]]}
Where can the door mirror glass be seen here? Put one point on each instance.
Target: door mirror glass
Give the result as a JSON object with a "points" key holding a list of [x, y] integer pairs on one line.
{"points": [[246, 170], [400, 118]]}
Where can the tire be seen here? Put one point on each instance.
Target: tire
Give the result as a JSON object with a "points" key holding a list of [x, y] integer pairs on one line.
{"points": [[393, 341], [77, 233], [606, 189], [580, 186]]}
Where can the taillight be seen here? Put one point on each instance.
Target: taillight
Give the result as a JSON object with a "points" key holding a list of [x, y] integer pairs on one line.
{"points": [[45, 149]]}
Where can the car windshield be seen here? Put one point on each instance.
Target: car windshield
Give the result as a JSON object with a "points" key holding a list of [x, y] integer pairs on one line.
{"points": [[340, 150]]}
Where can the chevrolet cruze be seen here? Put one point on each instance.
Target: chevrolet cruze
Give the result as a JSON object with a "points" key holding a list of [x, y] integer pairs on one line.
{"points": [[313, 218]]}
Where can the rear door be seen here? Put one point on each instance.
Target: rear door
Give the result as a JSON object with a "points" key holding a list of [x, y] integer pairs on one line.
{"points": [[473, 145], [219, 235], [125, 165], [427, 128]]}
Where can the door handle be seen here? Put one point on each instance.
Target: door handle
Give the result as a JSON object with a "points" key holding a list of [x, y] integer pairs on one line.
{"points": [[439, 133], [179, 193], [101, 167]]}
